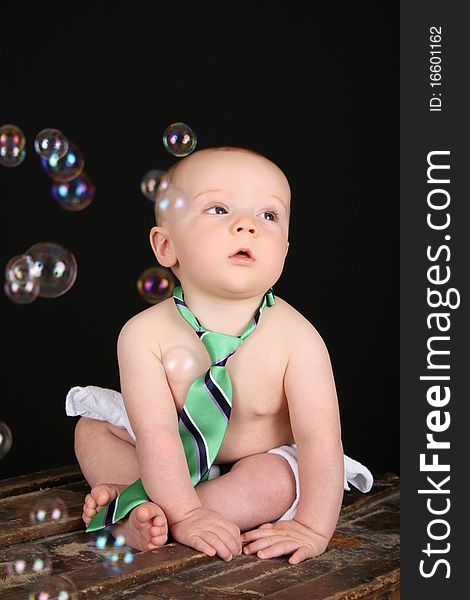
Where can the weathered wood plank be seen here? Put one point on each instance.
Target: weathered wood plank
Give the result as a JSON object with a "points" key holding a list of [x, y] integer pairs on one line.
{"points": [[362, 559], [42, 479], [344, 584], [384, 486], [15, 519], [246, 576], [96, 580], [356, 544], [167, 589], [389, 593], [262, 577]]}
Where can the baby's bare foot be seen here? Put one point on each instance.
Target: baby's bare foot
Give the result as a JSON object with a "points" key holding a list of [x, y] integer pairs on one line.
{"points": [[146, 527], [99, 497]]}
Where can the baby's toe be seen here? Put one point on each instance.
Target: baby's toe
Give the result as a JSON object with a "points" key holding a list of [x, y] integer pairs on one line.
{"points": [[90, 501], [157, 531], [159, 521], [100, 495], [158, 540], [89, 512], [142, 513]]}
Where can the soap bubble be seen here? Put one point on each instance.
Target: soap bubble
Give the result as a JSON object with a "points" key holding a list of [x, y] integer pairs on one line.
{"points": [[6, 439], [170, 203], [11, 136], [11, 157], [156, 284], [115, 553], [25, 560], [66, 168], [181, 364], [19, 268], [22, 292], [51, 142], [150, 183], [50, 509], [12, 146], [20, 285], [51, 587], [55, 268], [179, 139], [74, 195]]}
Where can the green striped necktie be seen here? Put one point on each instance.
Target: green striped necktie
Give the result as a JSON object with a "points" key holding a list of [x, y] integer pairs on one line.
{"points": [[205, 414]]}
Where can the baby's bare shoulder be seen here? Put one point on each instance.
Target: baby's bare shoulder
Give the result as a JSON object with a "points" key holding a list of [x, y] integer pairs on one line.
{"points": [[296, 329], [147, 323]]}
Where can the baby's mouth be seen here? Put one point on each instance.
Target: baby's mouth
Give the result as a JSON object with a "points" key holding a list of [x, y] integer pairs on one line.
{"points": [[243, 256]]}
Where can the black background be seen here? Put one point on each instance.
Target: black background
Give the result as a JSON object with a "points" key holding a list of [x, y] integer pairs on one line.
{"points": [[314, 90]]}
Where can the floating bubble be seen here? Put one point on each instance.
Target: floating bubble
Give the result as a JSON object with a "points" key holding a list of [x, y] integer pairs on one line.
{"points": [[25, 560], [170, 203], [66, 168], [6, 439], [150, 183], [156, 284], [19, 268], [74, 195], [22, 292], [11, 157], [115, 553], [181, 364], [11, 136], [51, 142], [51, 587], [179, 139], [50, 509], [12, 146], [55, 268]]}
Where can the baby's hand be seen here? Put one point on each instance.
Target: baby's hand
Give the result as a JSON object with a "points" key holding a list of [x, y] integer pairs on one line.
{"points": [[209, 532], [284, 537]]}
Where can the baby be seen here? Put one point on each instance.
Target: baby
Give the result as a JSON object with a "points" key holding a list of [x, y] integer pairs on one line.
{"points": [[280, 451]]}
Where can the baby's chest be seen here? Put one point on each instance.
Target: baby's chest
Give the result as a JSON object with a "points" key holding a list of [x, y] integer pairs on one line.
{"points": [[258, 384], [256, 372]]}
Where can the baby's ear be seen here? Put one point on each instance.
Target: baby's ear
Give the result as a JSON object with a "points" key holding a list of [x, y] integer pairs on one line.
{"points": [[287, 249], [162, 246]]}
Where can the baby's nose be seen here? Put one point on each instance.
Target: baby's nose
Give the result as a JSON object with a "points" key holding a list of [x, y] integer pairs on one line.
{"points": [[244, 224]]}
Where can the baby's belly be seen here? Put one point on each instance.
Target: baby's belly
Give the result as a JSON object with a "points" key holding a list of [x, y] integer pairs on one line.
{"points": [[246, 437]]}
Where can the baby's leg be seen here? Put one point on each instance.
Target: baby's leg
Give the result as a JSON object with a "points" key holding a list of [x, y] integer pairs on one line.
{"points": [[107, 453], [258, 489]]}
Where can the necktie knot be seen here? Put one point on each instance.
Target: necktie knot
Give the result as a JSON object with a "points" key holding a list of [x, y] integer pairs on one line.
{"points": [[220, 346]]}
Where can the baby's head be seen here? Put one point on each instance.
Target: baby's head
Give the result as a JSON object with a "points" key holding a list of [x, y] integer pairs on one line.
{"points": [[235, 200]]}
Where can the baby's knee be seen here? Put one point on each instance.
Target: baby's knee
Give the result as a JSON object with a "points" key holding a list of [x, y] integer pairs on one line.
{"points": [[86, 427], [282, 476], [272, 471]]}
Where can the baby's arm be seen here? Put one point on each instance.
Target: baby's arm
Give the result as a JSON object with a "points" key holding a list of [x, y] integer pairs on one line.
{"points": [[315, 422], [314, 416], [162, 462]]}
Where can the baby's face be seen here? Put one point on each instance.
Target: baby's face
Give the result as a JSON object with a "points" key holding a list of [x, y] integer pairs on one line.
{"points": [[234, 232]]}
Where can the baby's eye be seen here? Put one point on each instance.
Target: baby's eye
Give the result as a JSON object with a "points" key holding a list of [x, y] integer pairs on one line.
{"points": [[271, 215], [217, 210]]}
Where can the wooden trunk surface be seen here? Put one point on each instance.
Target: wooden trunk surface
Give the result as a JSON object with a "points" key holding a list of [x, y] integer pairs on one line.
{"points": [[362, 559]]}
